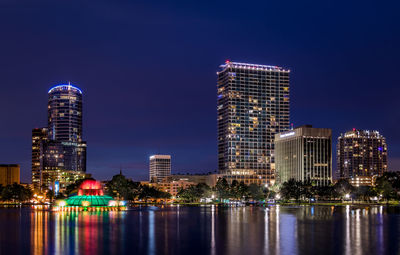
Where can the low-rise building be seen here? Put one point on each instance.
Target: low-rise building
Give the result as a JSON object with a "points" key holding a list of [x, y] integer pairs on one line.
{"points": [[174, 187], [9, 174], [358, 181], [209, 179], [170, 186]]}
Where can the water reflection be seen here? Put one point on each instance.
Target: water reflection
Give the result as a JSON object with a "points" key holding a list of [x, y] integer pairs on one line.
{"points": [[203, 230]]}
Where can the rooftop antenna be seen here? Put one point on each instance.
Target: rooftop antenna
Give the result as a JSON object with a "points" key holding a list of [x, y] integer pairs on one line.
{"points": [[120, 170]]}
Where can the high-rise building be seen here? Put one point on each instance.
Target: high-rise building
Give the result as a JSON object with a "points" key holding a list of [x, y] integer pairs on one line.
{"points": [[65, 113], [62, 159], [39, 135], [304, 154], [9, 174], [252, 106], [160, 167], [361, 153], [58, 152]]}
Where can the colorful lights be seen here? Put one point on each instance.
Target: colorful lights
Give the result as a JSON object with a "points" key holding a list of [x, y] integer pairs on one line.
{"points": [[112, 203], [90, 198], [85, 203]]}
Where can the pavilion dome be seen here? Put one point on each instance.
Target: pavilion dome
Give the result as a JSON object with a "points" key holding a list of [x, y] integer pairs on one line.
{"points": [[93, 200], [90, 194]]}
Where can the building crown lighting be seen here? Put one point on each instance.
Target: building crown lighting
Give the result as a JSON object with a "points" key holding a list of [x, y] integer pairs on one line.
{"points": [[248, 66], [68, 86]]}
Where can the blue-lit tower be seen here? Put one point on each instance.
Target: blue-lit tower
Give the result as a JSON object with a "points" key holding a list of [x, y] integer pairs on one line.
{"points": [[58, 152], [65, 113]]}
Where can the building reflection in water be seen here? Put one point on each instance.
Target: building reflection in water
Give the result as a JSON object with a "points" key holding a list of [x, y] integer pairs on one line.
{"points": [[204, 230], [212, 246], [151, 238], [39, 231]]}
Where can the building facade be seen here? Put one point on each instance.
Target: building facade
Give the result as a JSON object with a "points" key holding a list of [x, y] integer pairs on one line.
{"points": [[252, 106], [65, 113], [9, 174], [39, 136], [361, 153], [363, 181], [173, 187], [58, 152], [160, 167], [209, 179], [304, 154]]}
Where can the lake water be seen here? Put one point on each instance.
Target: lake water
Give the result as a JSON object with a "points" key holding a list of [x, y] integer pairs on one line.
{"points": [[204, 230]]}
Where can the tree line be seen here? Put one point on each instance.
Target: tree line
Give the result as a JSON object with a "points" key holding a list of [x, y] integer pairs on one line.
{"points": [[123, 188], [15, 193], [223, 190], [387, 187]]}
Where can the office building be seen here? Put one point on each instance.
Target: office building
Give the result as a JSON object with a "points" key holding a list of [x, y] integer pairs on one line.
{"points": [[39, 135], [9, 174], [160, 167], [361, 153], [58, 152], [65, 113], [304, 154], [63, 162], [252, 106]]}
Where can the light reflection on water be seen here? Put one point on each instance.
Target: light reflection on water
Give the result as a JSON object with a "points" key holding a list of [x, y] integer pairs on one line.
{"points": [[203, 230]]}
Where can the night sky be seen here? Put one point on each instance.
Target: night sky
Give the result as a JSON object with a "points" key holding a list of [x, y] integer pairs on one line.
{"points": [[148, 72]]}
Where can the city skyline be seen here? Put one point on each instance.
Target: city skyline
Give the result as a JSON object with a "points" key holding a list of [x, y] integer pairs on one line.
{"points": [[337, 73], [58, 151]]}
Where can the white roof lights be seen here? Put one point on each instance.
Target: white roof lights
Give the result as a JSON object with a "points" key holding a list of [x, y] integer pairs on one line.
{"points": [[248, 66], [287, 134]]}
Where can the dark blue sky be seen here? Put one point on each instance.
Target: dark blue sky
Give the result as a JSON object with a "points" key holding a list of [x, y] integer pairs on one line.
{"points": [[148, 72]]}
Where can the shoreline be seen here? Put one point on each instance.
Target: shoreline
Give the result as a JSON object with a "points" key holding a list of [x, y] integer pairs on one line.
{"points": [[390, 203]]}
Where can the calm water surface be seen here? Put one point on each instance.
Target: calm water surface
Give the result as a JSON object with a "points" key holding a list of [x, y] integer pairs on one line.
{"points": [[204, 230]]}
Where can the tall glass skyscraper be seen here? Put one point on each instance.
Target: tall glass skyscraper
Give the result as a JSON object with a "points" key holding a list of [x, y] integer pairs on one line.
{"points": [[65, 113], [61, 155], [252, 106]]}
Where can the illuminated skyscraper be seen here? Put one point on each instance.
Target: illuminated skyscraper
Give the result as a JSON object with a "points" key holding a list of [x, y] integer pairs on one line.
{"points": [[361, 153], [58, 152], [65, 113], [160, 167], [253, 105], [304, 154]]}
